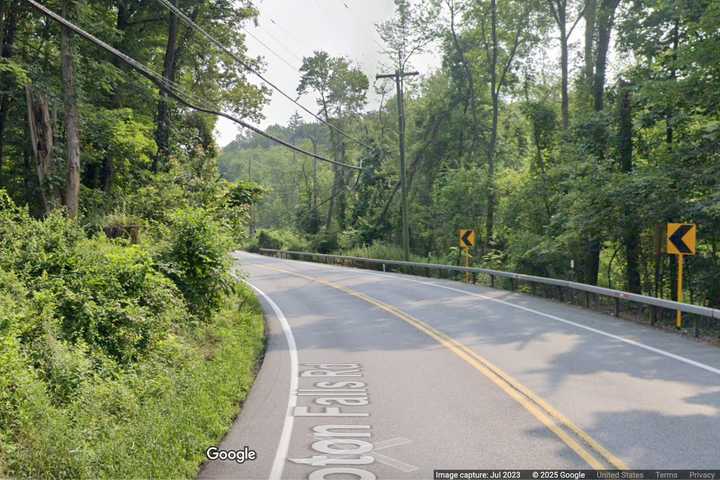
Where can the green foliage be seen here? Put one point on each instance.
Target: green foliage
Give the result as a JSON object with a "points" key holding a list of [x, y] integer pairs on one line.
{"points": [[340, 86], [99, 353], [243, 194], [279, 240], [97, 336], [393, 252], [15, 70], [195, 258], [153, 418], [325, 242], [588, 202], [116, 300]]}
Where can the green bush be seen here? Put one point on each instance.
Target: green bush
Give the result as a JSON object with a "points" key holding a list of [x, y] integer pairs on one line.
{"points": [[393, 252], [33, 248], [325, 242], [278, 240], [115, 299], [104, 370], [266, 239], [152, 419], [195, 258]]}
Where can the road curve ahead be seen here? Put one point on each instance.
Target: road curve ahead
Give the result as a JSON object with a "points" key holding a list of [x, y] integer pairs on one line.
{"points": [[372, 375]]}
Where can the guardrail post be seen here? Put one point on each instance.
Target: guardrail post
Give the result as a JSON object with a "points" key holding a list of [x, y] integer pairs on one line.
{"points": [[653, 319], [512, 284], [587, 300], [383, 267], [617, 307], [474, 277], [492, 280]]}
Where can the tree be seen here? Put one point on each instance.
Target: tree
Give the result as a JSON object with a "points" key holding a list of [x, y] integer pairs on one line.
{"points": [[341, 90], [503, 33], [72, 116], [631, 228], [559, 10]]}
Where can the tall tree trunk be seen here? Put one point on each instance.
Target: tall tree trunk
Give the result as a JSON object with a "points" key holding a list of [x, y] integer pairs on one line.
{"points": [[559, 11], [669, 140], [605, 20], [590, 13], [9, 16], [337, 170], [564, 73], [107, 172], [72, 120], [162, 131], [342, 185], [469, 78], [496, 84], [631, 231]]}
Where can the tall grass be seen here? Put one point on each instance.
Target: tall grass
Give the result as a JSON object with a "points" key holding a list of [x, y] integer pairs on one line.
{"points": [[392, 252], [153, 420]]}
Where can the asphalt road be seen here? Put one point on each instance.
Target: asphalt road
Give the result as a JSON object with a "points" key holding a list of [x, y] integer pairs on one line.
{"points": [[372, 375]]}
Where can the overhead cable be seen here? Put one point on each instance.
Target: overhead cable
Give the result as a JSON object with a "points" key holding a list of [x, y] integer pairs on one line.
{"points": [[190, 23], [173, 88]]}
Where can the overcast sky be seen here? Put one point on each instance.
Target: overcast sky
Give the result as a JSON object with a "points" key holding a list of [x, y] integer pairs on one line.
{"points": [[292, 29]]}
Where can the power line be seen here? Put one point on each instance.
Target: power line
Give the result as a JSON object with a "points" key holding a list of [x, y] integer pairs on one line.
{"points": [[286, 32], [282, 44], [190, 23], [293, 67], [171, 87]]}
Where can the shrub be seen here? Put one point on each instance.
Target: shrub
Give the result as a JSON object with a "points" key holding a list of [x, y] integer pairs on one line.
{"points": [[32, 248], [266, 239], [278, 240], [325, 242], [195, 258], [114, 299], [22, 394]]}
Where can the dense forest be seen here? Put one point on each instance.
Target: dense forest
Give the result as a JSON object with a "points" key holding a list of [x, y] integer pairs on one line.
{"points": [[566, 132], [126, 346]]}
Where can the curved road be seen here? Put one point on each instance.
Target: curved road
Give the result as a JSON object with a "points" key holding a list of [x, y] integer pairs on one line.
{"points": [[372, 375]]}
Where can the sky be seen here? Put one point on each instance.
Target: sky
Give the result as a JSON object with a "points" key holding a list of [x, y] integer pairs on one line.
{"points": [[289, 30]]}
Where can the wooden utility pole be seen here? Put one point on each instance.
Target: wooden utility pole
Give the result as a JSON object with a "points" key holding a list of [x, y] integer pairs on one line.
{"points": [[399, 83], [252, 206]]}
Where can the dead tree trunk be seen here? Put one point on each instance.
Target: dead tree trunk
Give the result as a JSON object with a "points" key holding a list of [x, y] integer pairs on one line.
{"points": [[41, 140]]}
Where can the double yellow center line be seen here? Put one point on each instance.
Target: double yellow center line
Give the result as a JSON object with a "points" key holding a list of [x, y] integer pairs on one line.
{"points": [[597, 456]]}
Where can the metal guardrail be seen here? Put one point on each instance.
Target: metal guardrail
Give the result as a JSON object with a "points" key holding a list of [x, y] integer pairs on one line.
{"points": [[515, 279]]}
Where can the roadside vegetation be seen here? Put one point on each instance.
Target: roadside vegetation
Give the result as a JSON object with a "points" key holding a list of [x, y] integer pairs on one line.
{"points": [[120, 359], [126, 347]]}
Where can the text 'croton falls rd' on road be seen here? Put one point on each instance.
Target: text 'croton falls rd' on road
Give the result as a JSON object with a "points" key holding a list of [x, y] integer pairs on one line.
{"points": [[335, 390]]}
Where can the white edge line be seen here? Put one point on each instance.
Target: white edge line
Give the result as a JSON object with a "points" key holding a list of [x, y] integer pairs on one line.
{"points": [[584, 327], [284, 444], [658, 351]]}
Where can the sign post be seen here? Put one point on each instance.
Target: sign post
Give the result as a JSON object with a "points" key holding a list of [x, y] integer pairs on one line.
{"points": [[467, 241], [681, 241]]}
